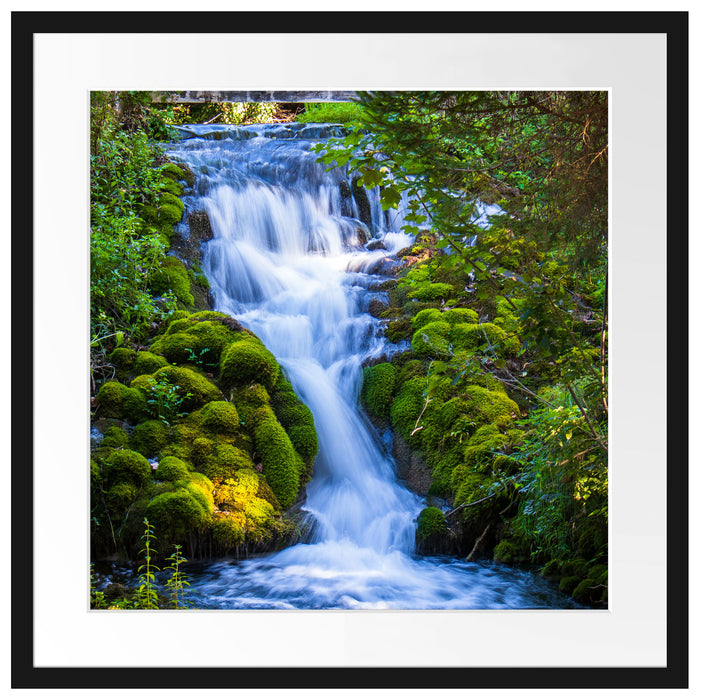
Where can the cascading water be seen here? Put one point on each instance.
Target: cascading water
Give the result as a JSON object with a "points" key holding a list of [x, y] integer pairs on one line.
{"points": [[287, 260]]}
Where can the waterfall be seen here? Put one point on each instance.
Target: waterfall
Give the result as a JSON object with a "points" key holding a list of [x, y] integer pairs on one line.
{"points": [[288, 259]]}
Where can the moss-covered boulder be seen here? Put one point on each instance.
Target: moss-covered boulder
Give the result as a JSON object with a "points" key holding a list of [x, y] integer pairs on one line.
{"points": [[248, 361], [115, 400], [432, 340], [172, 277], [176, 515], [171, 469], [193, 388], [148, 363], [378, 388], [406, 408], [282, 465], [126, 466], [150, 437], [220, 417]]}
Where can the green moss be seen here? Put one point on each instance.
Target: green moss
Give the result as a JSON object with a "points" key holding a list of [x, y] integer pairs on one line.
{"points": [[123, 360], [223, 462], [469, 336], [148, 363], [407, 406], [172, 187], [456, 316], [220, 417], [119, 498], [248, 361], [569, 583], [193, 388], [490, 406], [510, 552], [304, 440], [150, 437], [431, 523], [378, 388], [176, 515], [432, 340], [172, 276], [178, 171], [427, 316], [126, 466], [118, 401], [432, 292], [486, 440], [575, 567], [468, 485], [282, 466], [229, 531], [399, 330], [552, 570], [172, 469], [587, 591], [115, 437]]}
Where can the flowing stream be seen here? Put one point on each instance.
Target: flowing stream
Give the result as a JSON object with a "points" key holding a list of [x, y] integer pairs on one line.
{"points": [[291, 260]]}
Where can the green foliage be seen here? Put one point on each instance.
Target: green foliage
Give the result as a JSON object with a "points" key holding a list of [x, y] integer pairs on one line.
{"points": [[177, 581], [330, 113], [218, 112], [146, 595]]}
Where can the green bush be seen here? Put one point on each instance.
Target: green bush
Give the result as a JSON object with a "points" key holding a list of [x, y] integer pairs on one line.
{"points": [[330, 113]]}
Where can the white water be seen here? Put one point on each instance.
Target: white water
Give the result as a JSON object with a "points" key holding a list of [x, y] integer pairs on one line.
{"points": [[287, 261]]}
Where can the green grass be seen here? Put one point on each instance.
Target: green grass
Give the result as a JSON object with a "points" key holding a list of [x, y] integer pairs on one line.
{"points": [[330, 112]]}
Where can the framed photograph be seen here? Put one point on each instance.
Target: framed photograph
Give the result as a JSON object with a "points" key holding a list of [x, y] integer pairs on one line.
{"points": [[370, 609]]}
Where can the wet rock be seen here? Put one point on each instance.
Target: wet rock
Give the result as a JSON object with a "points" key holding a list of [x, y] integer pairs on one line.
{"points": [[411, 468], [375, 244], [376, 307]]}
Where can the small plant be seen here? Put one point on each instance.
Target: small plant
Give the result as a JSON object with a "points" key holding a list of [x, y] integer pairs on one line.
{"points": [[164, 401], [97, 598], [177, 581], [146, 595]]}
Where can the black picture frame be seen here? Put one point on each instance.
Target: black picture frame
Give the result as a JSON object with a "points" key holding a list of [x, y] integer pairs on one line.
{"points": [[25, 674]]}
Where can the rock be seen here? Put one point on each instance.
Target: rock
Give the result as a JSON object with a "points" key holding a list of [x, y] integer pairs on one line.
{"points": [[376, 244], [411, 468], [376, 307]]}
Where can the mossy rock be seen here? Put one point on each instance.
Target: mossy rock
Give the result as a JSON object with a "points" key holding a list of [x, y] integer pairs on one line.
{"points": [[127, 466], [150, 437], [228, 531], [178, 171], [172, 187], [223, 462], [220, 417], [431, 340], [248, 361], [119, 497], [406, 408], [399, 330], [575, 567], [304, 440], [490, 406], [431, 523], [378, 388], [569, 583], [171, 469], [460, 315], [176, 515], [148, 363], [115, 437], [119, 401], [587, 592], [552, 570], [435, 291], [282, 466], [427, 316], [123, 360], [510, 552], [172, 277], [193, 387]]}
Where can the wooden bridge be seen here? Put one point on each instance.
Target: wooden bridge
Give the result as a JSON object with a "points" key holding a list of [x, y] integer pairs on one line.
{"points": [[201, 96]]}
